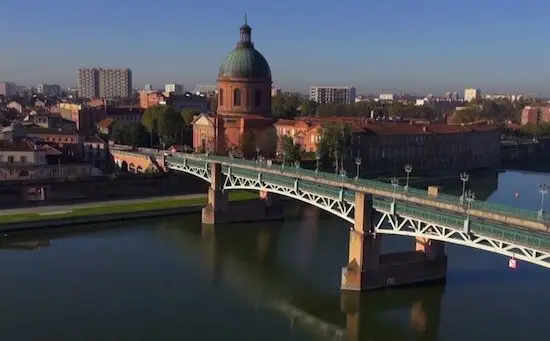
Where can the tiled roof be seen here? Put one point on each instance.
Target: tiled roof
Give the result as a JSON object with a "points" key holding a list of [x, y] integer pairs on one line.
{"points": [[49, 131], [93, 139], [105, 123], [20, 145]]}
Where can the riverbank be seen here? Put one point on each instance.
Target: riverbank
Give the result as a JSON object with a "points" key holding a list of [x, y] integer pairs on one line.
{"points": [[107, 211]]}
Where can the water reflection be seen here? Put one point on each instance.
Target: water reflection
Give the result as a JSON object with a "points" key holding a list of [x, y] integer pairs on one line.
{"points": [[243, 257]]}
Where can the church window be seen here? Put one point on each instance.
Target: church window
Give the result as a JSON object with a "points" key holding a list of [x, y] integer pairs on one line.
{"points": [[221, 97], [237, 97], [258, 98]]}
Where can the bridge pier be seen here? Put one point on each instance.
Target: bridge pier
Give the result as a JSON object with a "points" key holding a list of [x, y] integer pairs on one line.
{"points": [[214, 211], [368, 269], [218, 211]]}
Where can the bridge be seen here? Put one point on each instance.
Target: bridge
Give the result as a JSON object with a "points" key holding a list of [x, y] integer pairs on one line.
{"points": [[373, 209]]}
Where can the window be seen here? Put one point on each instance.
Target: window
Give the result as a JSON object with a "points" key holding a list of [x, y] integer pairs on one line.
{"points": [[237, 97], [10, 159], [221, 97], [23, 159], [258, 98]]}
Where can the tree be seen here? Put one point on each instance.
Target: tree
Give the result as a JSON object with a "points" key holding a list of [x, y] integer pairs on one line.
{"points": [[335, 141], [285, 105], [169, 124], [266, 140], [293, 151], [308, 107], [188, 115]]}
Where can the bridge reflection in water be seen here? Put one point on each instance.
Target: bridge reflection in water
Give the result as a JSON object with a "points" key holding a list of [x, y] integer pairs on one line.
{"points": [[247, 262]]}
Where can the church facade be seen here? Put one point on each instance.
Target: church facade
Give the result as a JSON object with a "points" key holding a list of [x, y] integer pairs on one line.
{"points": [[243, 116]]}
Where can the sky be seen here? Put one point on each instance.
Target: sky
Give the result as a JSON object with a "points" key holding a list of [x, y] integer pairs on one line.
{"points": [[414, 46]]}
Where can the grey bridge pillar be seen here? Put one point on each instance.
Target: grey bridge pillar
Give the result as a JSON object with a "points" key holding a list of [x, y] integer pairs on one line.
{"points": [[368, 269], [216, 207]]}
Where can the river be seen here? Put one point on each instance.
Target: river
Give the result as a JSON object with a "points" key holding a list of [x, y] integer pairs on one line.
{"points": [[172, 279]]}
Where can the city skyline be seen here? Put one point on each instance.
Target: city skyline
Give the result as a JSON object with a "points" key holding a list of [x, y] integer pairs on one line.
{"points": [[376, 47]]}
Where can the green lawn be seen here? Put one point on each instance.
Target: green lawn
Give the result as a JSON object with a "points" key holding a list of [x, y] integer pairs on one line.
{"points": [[123, 208]]}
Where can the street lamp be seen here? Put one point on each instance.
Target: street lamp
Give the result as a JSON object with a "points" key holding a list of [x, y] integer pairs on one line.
{"points": [[343, 175], [257, 153], [395, 184], [358, 164], [408, 170], [284, 161], [231, 155], [470, 197], [297, 165], [464, 177], [317, 158], [543, 189]]}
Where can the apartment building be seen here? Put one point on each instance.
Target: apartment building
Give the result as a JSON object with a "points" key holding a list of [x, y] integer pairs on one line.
{"points": [[332, 94], [173, 88], [8, 89], [104, 83], [52, 90], [471, 94]]}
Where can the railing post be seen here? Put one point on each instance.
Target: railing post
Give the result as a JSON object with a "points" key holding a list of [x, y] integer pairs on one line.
{"points": [[260, 177], [296, 185]]}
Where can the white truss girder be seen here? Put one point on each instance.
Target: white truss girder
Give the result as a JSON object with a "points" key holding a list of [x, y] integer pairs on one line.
{"points": [[340, 208], [402, 225], [202, 172]]}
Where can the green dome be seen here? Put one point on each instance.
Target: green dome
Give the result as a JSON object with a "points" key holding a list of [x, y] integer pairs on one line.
{"points": [[245, 62]]}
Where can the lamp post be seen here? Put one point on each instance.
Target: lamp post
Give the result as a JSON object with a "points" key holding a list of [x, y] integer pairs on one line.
{"points": [[257, 153], [358, 164], [343, 175], [395, 184], [464, 177], [470, 197], [284, 160], [317, 158], [543, 189], [231, 155], [408, 170], [297, 165]]}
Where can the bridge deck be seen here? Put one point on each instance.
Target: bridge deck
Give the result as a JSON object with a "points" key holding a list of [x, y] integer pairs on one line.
{"points": [[502, 214]]}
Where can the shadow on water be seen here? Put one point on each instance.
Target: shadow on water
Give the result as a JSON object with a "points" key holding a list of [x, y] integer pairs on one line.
{"points": [[244, 258]]}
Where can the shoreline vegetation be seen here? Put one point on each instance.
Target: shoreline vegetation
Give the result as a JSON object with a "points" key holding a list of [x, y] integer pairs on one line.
{"points": [[110, 208]]}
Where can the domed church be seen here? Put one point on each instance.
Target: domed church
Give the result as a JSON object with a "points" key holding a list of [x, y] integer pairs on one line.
{"points": [[244, 99]]}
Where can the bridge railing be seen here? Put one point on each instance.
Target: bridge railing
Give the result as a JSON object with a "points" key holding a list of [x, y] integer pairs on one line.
{"points": [[290, 170], [479, 227]]}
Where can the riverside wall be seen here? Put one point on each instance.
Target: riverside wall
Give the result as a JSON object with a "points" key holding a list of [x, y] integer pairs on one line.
{"points": [[55, 192]]}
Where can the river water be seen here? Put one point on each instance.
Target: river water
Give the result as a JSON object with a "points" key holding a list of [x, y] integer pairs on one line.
{"points": [[172, 279]]}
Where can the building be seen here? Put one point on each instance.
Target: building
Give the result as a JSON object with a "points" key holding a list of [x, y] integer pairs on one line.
{"points": [[104, 83], [148, 87], [150, 98], [8, 89], [275, 91], [51, 90], [206, 90], [386, 97], [332, 94], [176, 89], [244, 101], [535, 114], [471, 94]]}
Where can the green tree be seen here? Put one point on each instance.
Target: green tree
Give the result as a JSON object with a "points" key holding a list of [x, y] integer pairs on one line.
{"points": [[333, 145], [285, 105], [266, 140], [308, 107], [293, 151], [188, 115], [169, 124]]}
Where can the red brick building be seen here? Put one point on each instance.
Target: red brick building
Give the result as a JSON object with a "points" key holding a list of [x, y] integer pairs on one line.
{"points": [[244, 100], [535, 114]]}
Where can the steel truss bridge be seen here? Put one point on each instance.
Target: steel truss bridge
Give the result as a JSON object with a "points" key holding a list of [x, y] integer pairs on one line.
{"points": [[509, 231]]}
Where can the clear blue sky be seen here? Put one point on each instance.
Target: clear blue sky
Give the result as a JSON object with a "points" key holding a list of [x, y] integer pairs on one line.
{"points": [[400, 45]]}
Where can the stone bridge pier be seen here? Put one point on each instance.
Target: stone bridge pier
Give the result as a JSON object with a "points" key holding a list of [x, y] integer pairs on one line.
{"points": [[369, 269], [218, 210]]}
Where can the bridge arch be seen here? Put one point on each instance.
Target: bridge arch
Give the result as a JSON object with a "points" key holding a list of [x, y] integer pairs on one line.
{"points": [[124, 166], [131, 168], [139, 169]]}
